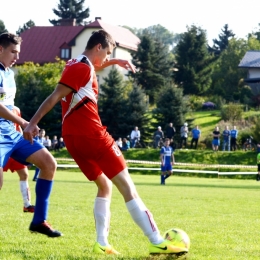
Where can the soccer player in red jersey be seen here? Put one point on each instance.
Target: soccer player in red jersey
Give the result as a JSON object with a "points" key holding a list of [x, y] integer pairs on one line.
{"points": [[22, 171], [91, 146]]}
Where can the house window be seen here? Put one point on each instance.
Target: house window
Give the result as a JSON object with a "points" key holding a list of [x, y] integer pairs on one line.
{"points": [[65, 53]]}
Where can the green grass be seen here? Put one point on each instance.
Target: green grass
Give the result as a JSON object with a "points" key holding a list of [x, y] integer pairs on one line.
{"points": [[206, 120], [221, 217]]}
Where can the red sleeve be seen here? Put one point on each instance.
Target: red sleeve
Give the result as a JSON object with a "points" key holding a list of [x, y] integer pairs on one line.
{"points": [[75, 76]]}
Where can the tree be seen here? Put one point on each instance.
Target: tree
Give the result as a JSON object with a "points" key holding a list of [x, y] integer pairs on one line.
{"points": [[135, 113], [193, 62], [221, 44], [111, 102], [158, 33], [34, 84], [25, 27], [154, 65], [2, 27], [70, 9], [171, 106], [228, 78]]}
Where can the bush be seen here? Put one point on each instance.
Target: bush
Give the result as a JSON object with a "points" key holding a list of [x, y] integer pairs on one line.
{"points": [[231, 112]]}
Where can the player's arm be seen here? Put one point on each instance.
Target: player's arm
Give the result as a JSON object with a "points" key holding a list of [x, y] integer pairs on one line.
{"points": [[126, 64], [161, 158], [31, 130], [173, 159], [9, 115]]}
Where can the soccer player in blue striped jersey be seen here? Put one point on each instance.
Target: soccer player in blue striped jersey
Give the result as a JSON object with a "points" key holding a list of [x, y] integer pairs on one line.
{"points": [[167, 160]]}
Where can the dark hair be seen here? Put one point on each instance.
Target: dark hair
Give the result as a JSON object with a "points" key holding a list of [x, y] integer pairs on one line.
{"points": [[100, 37], [8, 38]]}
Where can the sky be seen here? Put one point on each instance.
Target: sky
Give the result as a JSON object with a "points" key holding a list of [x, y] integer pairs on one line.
{"points": [[242, 17]]}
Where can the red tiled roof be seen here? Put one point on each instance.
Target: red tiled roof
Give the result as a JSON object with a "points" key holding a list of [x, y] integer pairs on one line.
{"points": [[123, 37], [41, 44]]}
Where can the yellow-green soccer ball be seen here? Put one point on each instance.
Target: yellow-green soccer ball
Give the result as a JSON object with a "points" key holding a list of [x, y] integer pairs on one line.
{"points": [[178, 237]]}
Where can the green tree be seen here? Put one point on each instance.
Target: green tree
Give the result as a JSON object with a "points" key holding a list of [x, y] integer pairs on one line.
{"points": [[70, 9], [221, 44], [34, 84], [2, 27], [193, 62], [154, 65], [228, 78], [158, 33], [25, 27], [171, 106], [135, 113], [111, 102]]}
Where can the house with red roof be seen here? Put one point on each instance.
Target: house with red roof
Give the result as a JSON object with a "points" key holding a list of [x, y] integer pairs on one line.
{"points": [[43, 44]]}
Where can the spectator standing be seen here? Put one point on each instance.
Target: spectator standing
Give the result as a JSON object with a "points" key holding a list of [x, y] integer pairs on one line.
{"points": [[216, 141], [184, 135], [135, 136], [226, 138], [167, 160], [258, 167], [196, 133], [233, 141], [170, 131], [47, 142], [125, 144], [158, 137]]}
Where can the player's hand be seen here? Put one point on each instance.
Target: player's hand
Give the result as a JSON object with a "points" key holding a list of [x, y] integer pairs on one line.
{"points": [[30, 132], [126, 65]]}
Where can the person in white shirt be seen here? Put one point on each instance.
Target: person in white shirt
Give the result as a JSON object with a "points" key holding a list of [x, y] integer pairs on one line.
{"points": [[135, 136], [119, 142]]}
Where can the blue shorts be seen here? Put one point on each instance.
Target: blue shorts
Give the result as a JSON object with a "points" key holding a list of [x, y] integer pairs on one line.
{"points": [[166, 168], [216, 142], [17, 147]]}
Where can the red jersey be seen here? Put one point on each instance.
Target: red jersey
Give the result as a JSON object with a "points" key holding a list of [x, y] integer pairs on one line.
{"points": [[16, 111], [79, 108]]}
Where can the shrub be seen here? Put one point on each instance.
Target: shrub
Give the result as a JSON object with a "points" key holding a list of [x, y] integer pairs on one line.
{"points": [[231, 112]]}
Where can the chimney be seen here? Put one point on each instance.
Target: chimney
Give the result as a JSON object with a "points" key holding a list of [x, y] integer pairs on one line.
{"points": [[68, 22], [97, 18]]}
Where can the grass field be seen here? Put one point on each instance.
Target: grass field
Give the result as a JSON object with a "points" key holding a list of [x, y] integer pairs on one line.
{"points": [[221, 217]]}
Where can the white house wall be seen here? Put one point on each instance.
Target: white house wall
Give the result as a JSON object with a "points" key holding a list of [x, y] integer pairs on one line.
{"points": [[253, 73], [119, 53]]}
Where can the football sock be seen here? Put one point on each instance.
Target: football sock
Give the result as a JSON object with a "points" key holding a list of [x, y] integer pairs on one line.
{"points": [[102, 219], [162, 178], [43, 190], [37, 171], [144, 219], [24, 188], [166, 176]]}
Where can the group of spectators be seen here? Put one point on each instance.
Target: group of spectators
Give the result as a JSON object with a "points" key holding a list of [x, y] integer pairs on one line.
{"points": [[228, 137], [54, 144]]}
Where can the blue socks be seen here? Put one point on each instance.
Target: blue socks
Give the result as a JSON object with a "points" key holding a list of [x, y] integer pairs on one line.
{"points": [[43, 191]]}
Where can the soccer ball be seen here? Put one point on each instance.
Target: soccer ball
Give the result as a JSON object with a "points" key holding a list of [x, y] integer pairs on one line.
{"points": [[178, 237]]}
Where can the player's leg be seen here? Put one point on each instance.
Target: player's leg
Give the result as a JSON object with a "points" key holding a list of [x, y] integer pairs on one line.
{"points": [[47, 165], [142, 216], [25, 190], [102, 215]]}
